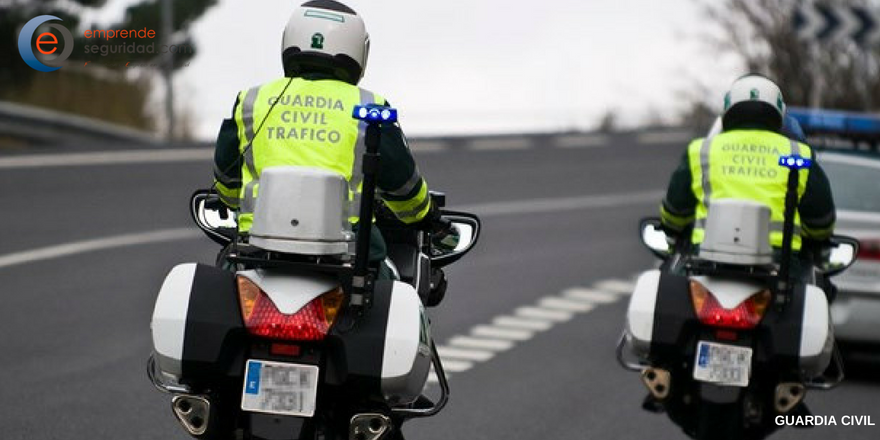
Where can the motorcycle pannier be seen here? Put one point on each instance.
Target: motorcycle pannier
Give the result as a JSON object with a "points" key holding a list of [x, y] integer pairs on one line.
{"points": [[302, 211]]}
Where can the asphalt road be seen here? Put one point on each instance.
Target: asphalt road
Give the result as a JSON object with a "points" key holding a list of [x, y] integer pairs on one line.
{"points": [[75, 329]]}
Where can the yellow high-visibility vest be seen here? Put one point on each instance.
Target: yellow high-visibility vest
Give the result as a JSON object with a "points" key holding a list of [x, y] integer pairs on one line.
{"points": [[744, 164]]}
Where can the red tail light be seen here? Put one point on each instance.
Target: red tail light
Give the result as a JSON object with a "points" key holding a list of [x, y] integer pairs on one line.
{"points": [[262, 318], [744, 316], [869, 249]]}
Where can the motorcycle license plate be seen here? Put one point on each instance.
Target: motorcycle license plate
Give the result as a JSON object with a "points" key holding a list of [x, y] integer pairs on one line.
{"points": [[723, 364], [280, 388]]}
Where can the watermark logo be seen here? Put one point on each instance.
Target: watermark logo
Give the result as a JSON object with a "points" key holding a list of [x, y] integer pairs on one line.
{"points": [[46, 44]]}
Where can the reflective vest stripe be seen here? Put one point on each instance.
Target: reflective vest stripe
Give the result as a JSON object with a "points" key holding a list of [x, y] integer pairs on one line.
{"points": [[247, 116], [225, 179], [408, 186], [704, 166], [414, 209]]}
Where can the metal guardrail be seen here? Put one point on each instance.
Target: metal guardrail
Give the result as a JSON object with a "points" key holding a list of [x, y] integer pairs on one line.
{"points": [[47, 126]]}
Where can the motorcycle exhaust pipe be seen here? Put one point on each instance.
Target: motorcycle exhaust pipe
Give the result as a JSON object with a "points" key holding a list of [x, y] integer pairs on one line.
{"points": [[192, 412], [369, 426], [657, 380], [788, 395]]}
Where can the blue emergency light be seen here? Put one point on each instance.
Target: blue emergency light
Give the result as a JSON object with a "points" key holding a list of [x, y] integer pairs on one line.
{"points": [[374, 113], [834, 122], [795, 162]]}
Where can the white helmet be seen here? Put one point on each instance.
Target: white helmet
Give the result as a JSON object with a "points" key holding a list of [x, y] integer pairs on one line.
{"points": [[328, 37], [753, 99]]}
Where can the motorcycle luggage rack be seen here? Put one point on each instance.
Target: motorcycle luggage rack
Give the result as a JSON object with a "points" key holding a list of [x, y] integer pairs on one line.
{"points": [[154, 375], [824, 382], [637, 366], [435, 407], [704, 267], [302, 264]]}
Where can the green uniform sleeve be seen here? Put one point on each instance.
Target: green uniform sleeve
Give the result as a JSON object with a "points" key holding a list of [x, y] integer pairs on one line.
{"points": [[816, 206], [228, 163], [400, 184], [679, 206]]}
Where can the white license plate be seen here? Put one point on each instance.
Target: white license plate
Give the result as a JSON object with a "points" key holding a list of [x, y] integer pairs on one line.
{"points": [[280, 388], [723, 364]]}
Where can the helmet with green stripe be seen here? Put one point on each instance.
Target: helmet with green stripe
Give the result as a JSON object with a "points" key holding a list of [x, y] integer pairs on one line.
{"points": [[325, 37], [753, 101]]}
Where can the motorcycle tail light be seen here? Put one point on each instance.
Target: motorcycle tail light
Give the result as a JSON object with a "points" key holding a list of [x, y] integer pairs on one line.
{"points": [[310, 323], [869, 249], [744, 316]]}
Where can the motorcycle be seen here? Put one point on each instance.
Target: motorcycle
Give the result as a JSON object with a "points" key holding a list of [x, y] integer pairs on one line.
{"points": [[297, 336], [728, 338]]}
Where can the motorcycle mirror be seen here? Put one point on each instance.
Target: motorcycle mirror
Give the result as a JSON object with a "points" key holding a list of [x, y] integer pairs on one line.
{"points": [[654, 238], [842, 256], [212, 217], [468, 227]]}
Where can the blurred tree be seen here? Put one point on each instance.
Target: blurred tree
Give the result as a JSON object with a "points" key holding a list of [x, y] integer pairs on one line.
{"points": [[837, 74], [609, 121]]}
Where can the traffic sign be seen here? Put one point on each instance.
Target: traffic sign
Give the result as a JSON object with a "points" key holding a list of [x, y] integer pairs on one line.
{"points": [[832, 23]]}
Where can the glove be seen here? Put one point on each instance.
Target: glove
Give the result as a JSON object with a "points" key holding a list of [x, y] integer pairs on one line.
{"points": [[213, 202]]}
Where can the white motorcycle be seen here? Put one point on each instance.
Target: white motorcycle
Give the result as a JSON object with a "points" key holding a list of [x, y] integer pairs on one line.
{"points": [[728, 339], [298, 338]]}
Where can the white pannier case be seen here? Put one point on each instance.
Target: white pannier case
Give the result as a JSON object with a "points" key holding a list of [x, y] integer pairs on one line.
{"points": [[302, 210]]}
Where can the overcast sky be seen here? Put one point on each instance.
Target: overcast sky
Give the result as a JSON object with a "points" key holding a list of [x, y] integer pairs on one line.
{"points": [[476, 66]]}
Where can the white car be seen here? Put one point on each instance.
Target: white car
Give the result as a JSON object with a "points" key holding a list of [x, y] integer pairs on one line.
{"points": [[855, 182]]}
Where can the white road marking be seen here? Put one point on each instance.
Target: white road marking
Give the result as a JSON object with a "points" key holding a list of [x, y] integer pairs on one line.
{"points": [[581, 141], [500, 144], [79, 247], [541, 313], [465, 354], [560, 204], [567, 305], [108, 158], [521, 323], [665, 137], [506, 330], [453, 366], [616, 286], [590, 295], [491, 331], [480, 343]]}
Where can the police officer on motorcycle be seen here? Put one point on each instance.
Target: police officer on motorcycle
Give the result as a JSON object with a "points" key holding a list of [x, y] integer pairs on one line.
{"points": [[741, 162], [305, 119]]}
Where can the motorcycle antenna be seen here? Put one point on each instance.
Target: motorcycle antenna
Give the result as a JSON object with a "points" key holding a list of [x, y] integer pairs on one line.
{"points": [[794, 163], [374, 116]]}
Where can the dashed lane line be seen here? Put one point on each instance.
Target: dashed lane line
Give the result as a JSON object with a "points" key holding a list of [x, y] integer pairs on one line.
{"points": [[590, 295], [543, 313], [490, 331], [521, 323], [623, 287], [482, 342]]}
